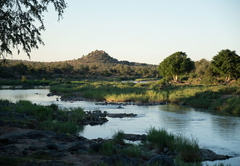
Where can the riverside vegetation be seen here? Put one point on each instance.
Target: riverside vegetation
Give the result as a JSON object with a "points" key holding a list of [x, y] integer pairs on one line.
{"points": [[47, 147], [223, 99]]}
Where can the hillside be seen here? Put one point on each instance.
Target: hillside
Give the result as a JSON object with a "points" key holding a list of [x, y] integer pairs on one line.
{"points": [[95, 64], [100, 56]]}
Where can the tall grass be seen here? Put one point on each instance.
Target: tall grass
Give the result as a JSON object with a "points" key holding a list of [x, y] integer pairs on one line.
{"points": [[108, 148], [188, 149], [118, 137], [60, 127], [76, 114], [160, 138], [133, 151], [233, 106], [38, 111], [45, 116]]}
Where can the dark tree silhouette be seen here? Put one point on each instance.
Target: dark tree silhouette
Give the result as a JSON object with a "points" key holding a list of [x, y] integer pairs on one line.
{"points": [[21, 23]]}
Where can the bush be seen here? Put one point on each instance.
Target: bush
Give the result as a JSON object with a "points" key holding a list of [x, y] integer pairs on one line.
{"points": [[192, 75], [233, 106], [60, 127], [188, 149], [164, 80], [228, 90], [209, 81], [133, 151], [38, 111], [160, 138], [107, 148], [24, 80], [118, 137], [76, 114], [217, 105]]}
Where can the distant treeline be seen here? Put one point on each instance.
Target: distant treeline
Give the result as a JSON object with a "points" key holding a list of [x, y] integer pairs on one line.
{"points": [[95, 64], [99, 64]]}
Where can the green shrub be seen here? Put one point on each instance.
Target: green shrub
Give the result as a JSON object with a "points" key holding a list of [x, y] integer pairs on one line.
{"points": [[233, 106], [24, 80], [107, 148], [133, 151], [160, 138], [60, 127], [188, 149], [164, 80], [76, 114], [54, 106], [217, 105], [38, 111], [209, 80], [193, 75], [228, 90], [118, 137]]}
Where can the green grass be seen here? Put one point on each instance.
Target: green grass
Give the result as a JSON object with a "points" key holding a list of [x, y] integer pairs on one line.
{"points": [[29, 82], [38, 111], [46, 120], [76, 114], [160, 138], [118, 137], [188, 149], [133, 151], [107, 148], [61, 127], [203, 96], [233, 106]]}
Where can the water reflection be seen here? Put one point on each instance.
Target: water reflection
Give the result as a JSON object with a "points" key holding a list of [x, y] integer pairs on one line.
{"points": [[226, 126]]}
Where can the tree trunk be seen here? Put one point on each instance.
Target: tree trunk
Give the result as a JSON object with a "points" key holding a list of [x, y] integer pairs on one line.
{"points": [[228, 78], [175, 78]]}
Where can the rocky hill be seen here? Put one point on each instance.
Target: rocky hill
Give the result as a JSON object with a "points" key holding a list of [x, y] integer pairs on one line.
{"points": [[100, 56]]}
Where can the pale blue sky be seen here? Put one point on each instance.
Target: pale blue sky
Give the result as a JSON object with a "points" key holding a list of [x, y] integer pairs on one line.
{"points": [[145, 31]]}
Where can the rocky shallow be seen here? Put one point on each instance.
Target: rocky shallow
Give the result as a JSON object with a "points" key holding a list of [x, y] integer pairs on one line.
{"points": [[49, 148], [31, 147]]}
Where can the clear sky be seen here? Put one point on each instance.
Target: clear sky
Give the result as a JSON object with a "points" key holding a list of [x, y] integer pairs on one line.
{"points": [[145, 31]]}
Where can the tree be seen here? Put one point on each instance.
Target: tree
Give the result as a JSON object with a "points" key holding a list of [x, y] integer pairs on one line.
{"points": [[175, 65], [227, 64], [201, 66], [17, 28]]}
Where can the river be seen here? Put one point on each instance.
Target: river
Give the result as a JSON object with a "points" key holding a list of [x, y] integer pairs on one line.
{"points": [[218, 133]]}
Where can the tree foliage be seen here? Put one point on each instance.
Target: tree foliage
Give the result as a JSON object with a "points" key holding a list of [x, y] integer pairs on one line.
{"points": [[227, 64], [203, 68], [175, 65], [18, 27]]}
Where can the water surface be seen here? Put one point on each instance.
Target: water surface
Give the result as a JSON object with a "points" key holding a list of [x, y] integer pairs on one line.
{"points": [[218, 133]]}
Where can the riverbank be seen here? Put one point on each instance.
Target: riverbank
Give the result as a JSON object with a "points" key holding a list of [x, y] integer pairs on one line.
{"points": [[23, 143], [224, 99]]}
